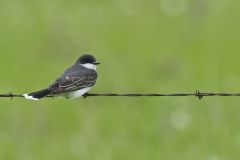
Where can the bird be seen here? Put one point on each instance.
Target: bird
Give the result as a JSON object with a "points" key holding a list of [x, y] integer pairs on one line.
{"points": [[75, 82]]}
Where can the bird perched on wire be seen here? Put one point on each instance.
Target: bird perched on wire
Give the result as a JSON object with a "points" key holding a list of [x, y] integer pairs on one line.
{"points": [[74, 82]]}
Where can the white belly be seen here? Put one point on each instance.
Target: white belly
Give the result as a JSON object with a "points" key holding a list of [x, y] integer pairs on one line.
{"points": [[78, 93]]}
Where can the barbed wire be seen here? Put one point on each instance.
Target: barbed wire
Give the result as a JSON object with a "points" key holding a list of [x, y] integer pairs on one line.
{"points": [[197, 94]]}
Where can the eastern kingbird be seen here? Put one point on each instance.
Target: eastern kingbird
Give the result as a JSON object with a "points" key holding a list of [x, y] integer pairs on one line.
{"points": [[74, 82]]}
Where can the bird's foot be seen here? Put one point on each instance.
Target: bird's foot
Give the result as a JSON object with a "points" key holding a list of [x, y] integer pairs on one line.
{"points": [[85, 95]]}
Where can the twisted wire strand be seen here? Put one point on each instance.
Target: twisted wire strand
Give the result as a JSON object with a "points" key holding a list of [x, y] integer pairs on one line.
{"points": [[197, 94]]}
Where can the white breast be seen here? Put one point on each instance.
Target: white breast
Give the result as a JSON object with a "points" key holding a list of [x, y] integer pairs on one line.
{"points": [[78, 93]]}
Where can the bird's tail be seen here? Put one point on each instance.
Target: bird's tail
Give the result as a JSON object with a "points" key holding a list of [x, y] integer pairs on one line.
{"points": [[37, 95]]}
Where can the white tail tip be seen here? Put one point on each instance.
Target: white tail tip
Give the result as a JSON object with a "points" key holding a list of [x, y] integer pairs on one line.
{"points": [[30, 97]]}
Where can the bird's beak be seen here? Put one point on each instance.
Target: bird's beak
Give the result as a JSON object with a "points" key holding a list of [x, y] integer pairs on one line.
{"points": [[97, 63]]}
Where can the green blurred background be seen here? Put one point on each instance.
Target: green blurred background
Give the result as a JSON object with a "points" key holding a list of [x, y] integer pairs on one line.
{"points": [[159, 46]]}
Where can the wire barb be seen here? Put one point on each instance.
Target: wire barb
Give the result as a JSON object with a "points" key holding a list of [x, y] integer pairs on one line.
{"points": [[199, 94]]}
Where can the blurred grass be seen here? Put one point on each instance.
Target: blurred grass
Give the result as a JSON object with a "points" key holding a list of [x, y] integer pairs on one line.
{"points": [[161, 46]]}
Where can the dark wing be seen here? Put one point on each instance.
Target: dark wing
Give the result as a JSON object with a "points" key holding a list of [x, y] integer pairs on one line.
{"points": [[74, 80]]}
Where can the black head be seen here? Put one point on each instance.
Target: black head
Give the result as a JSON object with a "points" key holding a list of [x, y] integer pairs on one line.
{"points": [[87, 59]]}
